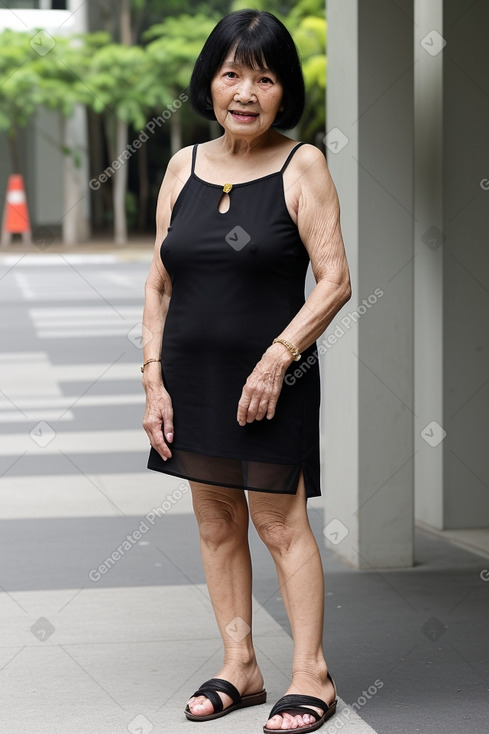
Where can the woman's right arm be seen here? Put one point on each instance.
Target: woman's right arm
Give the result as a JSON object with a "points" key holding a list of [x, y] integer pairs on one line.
{"points": [[158, 416]]}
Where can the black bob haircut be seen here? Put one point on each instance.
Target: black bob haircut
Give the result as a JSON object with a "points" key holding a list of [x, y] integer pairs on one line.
{"points": [[261, 41]]}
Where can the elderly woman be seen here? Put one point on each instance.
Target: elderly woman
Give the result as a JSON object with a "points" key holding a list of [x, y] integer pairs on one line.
{"points": [[239, 218]]}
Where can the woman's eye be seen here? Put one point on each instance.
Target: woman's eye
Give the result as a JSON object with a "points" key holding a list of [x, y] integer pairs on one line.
{"points": [[230, 74], [266, 79]]}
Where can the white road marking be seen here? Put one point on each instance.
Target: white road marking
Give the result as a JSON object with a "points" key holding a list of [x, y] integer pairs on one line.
{"points": [[50, 259], [31, 416], [66, 401], [69, 284], [73, 322], [80, 495], [72, 442]]}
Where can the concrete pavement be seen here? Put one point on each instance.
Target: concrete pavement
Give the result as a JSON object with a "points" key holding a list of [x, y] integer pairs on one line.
{"points": [[89, 644]]}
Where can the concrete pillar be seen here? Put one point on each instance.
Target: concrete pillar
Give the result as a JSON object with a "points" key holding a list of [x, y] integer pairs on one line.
{"points": [[451, 266], [367, 365], [428, 264], [465, 265]]}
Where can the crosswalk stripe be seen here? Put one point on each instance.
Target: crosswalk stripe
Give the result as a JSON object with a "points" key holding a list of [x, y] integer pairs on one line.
{"points": [[50, 259], [29, 416], [82, 333], [43, 439], [60, 312], [70, 372], [67, 401], [70, 285], [96, 321], [80, 495]]}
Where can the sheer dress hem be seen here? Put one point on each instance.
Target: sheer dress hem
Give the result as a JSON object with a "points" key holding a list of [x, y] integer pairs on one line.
{"points": [[233, 472]]}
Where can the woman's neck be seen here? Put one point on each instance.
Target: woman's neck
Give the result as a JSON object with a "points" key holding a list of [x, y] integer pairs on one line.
{"points": [[232, 145]]}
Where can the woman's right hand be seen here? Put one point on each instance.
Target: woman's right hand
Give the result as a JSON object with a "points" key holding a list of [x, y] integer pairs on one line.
{"points": [[158, 416]]}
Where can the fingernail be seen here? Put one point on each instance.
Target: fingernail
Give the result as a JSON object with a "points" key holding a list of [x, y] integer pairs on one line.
{"points": [[169, 436]]}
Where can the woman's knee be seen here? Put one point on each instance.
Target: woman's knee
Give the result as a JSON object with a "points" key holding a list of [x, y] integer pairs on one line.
{"points": [[274, 531], [221, 520]]}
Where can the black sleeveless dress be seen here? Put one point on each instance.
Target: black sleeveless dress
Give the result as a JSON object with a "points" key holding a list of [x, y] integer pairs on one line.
{"points": [[237, 280]]}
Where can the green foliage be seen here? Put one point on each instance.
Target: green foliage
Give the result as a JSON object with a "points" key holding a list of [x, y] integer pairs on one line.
{"points": [[310, 38], [116, 80], [244, 4], [19, 88], [172, 54], [303, 9], [131, 82], [307, 24]]}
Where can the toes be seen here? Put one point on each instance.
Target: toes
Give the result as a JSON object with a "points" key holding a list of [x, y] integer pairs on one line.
{"points": [[200, 706], [289, 722], [275, 722]]}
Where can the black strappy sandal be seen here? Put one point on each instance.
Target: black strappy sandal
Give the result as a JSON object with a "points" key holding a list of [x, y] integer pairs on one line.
{"points": [[295, 703], [209, 690]]}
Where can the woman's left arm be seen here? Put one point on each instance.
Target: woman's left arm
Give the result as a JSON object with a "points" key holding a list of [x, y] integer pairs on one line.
{"points": [[317, 213]]}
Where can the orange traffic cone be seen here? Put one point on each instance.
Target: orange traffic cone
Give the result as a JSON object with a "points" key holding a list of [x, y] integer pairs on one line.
{"points": [[15, 216]]}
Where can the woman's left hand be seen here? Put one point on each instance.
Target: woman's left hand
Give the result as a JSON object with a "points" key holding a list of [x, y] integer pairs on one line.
{"points": [[262, 389]]}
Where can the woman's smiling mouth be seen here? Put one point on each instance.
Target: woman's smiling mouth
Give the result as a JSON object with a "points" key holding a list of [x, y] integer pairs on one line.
{"points": [[243, 116]]}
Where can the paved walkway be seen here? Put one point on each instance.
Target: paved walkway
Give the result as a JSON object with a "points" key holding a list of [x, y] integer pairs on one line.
{"points": [[123, 651], [106, 624]]}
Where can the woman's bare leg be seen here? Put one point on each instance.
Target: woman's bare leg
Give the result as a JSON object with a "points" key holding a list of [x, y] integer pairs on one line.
{"points": [[222, 516], [283, 525]]}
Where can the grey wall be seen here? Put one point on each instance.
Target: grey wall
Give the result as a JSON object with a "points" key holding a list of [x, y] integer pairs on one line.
{"points": [[466, 264], [44, 182]]}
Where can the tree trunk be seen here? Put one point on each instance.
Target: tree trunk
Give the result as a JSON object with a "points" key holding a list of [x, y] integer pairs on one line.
{"points": [[175, 132], [125, 22], [121, 130], [142, 158], [120, 185], [74, 227], [13, 140], [96, 166], [71, 192]]}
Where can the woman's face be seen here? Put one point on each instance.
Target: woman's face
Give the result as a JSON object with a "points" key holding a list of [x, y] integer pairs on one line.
{"points": [[246, 101]]}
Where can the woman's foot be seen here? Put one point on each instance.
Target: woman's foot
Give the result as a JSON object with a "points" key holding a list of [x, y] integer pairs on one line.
{"points": [[247, 678], [321, 687]]}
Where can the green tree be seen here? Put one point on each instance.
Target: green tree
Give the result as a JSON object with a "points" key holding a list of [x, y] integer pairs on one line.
{"points": [[310, 38], [307, 25], [19, 89], [172, 54], [61, 88], [117, 86]]}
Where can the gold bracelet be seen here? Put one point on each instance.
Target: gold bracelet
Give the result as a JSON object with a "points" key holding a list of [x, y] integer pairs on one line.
{"points": [[293, 350], [153, 359]]}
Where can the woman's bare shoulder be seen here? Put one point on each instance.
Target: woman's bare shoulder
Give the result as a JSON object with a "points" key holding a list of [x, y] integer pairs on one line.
{"points": [[308, 158], [306, 178], [176, 174], [309, 172], [181, 161]]}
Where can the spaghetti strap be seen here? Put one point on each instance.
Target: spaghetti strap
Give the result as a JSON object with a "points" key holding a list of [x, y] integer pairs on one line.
{"points": [[194, 156], [289, 157]]}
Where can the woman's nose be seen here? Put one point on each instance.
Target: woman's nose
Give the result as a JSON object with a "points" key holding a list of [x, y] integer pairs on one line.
{"points": [[245, 92]]}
